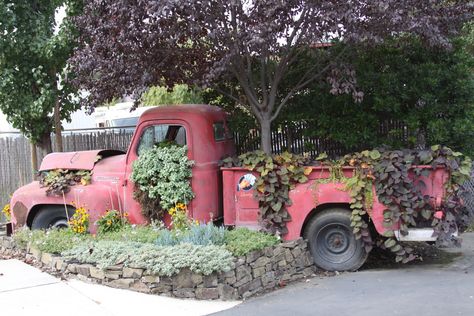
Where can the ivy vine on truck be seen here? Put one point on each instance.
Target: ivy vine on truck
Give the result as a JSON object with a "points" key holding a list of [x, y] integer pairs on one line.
{"points": [[342, 209]]}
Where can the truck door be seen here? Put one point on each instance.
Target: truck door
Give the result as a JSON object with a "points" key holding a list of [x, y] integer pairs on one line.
{"points": [[147, 135]]}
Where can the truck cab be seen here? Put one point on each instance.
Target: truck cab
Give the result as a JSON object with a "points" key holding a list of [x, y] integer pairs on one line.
{"points": [[202, 128]]}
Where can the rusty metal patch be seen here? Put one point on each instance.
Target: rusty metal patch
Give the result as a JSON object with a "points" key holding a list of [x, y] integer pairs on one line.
{"points": [[20, 211]]}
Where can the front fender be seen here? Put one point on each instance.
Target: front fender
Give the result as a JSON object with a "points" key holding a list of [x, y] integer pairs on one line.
{"points": [[96, 197]]}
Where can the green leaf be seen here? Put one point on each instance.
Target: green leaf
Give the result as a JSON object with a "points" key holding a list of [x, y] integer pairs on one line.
{"points": [[375, 154], [322, 156], [426, 213], [389, 243], [277, 206]]}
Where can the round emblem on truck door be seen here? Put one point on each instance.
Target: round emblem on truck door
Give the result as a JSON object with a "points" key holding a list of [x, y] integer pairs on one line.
{"points": [[246, 182]]}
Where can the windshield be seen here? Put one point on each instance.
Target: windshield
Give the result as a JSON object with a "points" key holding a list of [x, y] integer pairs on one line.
{"points": [[129, 121]]}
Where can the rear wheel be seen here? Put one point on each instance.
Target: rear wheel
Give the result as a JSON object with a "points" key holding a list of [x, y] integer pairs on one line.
{"points": [[51, 216], [332, 243]]}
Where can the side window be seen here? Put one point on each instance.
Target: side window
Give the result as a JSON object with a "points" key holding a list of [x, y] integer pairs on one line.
{"points": [[156, 134]]}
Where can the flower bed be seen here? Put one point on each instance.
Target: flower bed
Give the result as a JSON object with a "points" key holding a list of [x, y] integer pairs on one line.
{"points": [[245, 276]]}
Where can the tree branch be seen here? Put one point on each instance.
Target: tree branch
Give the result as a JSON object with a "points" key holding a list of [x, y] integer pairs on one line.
{"points": [[303, 83]]}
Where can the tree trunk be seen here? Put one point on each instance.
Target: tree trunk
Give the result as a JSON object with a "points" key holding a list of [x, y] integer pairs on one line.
{"points": [[34, 159], [420, 134], [265, 136], [44, 146], [57, 126]]}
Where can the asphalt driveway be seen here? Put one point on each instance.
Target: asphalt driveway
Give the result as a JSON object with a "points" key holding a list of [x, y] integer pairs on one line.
{"points": [[420, 289]]}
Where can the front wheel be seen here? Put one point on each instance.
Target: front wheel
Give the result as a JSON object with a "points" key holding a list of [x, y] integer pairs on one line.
{"points": [[332, 243], [51, 216]]}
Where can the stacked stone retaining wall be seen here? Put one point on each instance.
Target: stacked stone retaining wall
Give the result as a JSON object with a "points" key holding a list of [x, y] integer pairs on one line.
{"points": [[257, 272]]}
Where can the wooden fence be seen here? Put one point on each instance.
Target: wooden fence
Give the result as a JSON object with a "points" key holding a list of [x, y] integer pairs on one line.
{"points": [[15, 155]]}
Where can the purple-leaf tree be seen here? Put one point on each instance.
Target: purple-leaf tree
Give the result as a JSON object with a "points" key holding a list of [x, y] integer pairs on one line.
{"points": [[129, 45]]}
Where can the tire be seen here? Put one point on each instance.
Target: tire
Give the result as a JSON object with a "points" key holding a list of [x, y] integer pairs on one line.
{"points": [[332, 243], [51, 216]]}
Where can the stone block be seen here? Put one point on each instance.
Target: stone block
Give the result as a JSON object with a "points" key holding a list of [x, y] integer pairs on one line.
{"points": [[270, 285], [296, 276], [297, 252], [239, 262], [113, 274], [211, 280], [254, 255], [117, 267], [207, 293], [268, 251], [83, 269], [252, 287], [196, 278], [184, 293], [290, 244], [36, 253], [161, 289], [72, 268], [242, 281], [54, 263], [268, 277], [231, 280], [121, 283], [308, 272], [281, 264], [260, 262], [258, 272], [140, 287], [132, 273], [308, 259], [242, 272], [151, 279], [288, 255], [227, 292], [97, 273], [277, 250], [183, 280], [47, 259]]}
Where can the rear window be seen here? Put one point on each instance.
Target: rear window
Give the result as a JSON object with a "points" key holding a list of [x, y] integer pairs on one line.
{"points": [[219, 131]]}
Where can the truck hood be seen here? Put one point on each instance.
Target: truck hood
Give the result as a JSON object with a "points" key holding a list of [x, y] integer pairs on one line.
{"points": [[79, 160]]}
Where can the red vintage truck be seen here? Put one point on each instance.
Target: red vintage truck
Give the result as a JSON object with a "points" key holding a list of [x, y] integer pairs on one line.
{"points": [[319, 213]]}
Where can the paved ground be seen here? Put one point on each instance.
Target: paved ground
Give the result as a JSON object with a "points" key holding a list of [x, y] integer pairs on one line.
{"points": [[25, 290], [435, 289]]}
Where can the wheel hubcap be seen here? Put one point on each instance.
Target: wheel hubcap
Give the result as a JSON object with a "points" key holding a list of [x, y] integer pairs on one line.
{"points": [[335, 243]]}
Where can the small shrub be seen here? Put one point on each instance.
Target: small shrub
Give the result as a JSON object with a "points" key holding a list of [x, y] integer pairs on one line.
{"points": [[167, 238], [162, 174], [241, 241], [164, 261], [111, 221], [179, 217], [52, 241], [58, 240], [203, 234], [136, 233], [23, 236], [79, 222]]}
